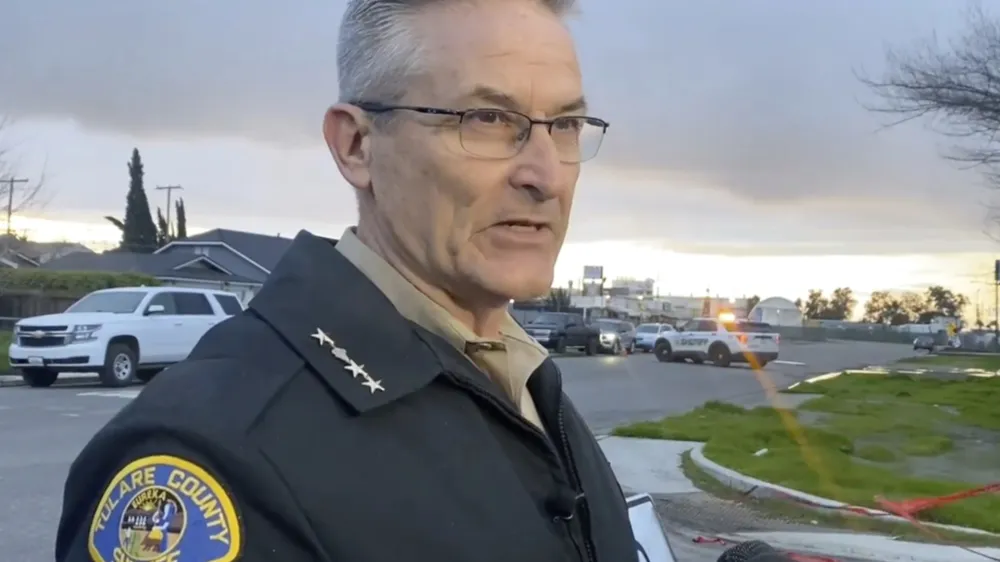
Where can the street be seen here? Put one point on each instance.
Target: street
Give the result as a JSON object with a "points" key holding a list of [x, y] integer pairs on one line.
{"points": [[42, 430]]}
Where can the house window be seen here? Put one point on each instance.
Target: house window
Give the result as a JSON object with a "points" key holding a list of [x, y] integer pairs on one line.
{"points": [[201, 250]]}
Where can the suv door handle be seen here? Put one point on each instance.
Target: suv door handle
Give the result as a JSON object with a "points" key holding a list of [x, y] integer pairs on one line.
{"points": [[178, 323]]}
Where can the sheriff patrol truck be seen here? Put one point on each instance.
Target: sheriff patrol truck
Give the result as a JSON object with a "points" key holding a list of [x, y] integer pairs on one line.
{"points": [[722, 343]]}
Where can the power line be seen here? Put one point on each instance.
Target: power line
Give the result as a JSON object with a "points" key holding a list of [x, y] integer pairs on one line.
{"points": [[10, 199], [170, 190]]}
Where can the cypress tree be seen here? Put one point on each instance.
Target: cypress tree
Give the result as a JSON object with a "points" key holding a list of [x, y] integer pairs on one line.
{"points": [[139, 232]]}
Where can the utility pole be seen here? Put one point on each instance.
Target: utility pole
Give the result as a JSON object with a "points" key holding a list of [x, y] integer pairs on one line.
{"points": [[170, 190], [11, 181]]}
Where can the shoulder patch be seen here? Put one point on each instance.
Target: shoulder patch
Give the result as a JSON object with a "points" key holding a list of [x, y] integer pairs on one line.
{"points": [[164, 509]]}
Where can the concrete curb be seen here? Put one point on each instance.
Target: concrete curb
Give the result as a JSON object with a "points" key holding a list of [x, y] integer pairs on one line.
{"points": [[7, 379], [867, 547], [760, 489]]}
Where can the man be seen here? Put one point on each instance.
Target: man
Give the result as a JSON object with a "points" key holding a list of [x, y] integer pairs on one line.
{"points": [[377, 402]]}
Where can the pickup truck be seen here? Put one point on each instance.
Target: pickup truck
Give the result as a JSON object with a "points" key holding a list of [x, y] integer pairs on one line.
{"points": [[123, 334], [707, 339], [561, 330]]}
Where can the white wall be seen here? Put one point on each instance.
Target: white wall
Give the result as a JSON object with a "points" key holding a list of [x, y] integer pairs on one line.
{"points": [[777, 316]]}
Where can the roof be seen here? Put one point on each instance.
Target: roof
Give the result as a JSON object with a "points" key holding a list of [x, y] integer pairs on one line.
{"points": [[777, 302], [40, 252], [179, 265], [262, 249]]}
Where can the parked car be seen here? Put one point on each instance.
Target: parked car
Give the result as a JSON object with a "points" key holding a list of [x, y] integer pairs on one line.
{"points": [[560, 331], [647, 334], [925, 342], [722, 343], [616, 335], [123, 334]]}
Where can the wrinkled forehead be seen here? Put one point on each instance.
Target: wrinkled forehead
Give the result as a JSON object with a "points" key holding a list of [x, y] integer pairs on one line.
{"points": [[512, 53]]}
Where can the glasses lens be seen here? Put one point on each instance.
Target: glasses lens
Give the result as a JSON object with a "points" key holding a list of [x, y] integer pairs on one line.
{"points": [[577, 138], [493, 133]]}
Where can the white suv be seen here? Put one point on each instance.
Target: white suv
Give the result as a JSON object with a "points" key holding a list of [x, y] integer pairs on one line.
{"points": [[123, 334]]}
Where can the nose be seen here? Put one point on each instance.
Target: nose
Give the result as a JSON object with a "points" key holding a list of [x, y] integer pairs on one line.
{"points": [[537, 166]]}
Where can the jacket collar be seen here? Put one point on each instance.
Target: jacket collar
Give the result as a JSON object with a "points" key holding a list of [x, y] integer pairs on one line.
{"points": [[315, 293], [344, 327]]}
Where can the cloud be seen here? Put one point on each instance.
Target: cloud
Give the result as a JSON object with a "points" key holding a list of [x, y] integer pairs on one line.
{"points": [[747, 101]]}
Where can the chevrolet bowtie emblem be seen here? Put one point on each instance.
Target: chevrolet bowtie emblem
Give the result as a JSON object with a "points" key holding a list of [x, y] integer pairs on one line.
{"points": [[349, 365]]}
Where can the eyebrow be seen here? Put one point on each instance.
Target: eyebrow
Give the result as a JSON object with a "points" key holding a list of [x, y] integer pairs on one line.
{"points": [[507, 101]]}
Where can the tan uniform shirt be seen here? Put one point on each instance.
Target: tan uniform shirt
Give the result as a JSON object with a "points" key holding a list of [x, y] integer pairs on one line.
{"points": [[508, 362]]}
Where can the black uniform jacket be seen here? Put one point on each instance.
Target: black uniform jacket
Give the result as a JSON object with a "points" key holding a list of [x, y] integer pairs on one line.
{"points": [[382, 445]]}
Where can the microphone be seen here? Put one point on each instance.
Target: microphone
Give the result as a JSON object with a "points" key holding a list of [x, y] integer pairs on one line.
{"points": [[562, 504], [753, 551]]}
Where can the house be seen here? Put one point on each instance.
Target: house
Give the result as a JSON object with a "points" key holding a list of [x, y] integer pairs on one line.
{"points": [[15, 252], [234, 261]]}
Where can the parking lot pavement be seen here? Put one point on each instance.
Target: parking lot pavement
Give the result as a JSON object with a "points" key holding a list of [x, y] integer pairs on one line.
{"points": [[42, 430], [611, 391]]}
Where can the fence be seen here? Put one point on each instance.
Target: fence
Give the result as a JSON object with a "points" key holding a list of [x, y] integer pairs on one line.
{"points": [[15, 305], [868, 334]]}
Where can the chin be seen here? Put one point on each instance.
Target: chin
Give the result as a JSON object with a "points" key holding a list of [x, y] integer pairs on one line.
{"points": [[518, 282]]}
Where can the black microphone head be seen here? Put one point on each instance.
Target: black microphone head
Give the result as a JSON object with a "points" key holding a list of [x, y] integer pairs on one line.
{"points": [[752, 551]]}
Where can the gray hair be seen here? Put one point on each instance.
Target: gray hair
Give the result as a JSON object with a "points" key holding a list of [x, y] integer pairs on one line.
{"points": [[378, 48]]}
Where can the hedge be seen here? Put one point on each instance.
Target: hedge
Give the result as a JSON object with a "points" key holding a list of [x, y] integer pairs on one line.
{"points": [[76, 283]]}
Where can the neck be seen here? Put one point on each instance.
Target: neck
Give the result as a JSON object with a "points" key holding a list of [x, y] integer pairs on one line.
{"points": [[484, 321]]}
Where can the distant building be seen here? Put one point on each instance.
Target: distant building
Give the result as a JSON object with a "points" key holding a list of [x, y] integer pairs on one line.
{"points": [[230, 260], [627, 286], [776, 311]]}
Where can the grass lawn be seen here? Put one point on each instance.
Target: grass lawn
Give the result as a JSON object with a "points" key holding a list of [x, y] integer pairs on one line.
{"points": [[854, 441], [4, 348], [986, 363]]}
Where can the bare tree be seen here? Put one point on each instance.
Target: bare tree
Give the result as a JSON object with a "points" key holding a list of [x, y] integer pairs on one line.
{"points": [[29, 195], [954, 85]]}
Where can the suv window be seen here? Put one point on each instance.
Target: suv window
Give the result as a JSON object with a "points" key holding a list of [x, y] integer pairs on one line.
{"points": [[701, 326], [193, 304], [166, 300], [647, 328], [550, 318], [230, 304]]}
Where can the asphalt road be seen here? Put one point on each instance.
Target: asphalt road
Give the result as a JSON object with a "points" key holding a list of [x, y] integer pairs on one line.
{"points": [[611, 391], [42, 430]]}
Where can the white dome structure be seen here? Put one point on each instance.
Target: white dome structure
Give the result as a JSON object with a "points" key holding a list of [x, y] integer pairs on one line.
{"points": [[776, 311]]}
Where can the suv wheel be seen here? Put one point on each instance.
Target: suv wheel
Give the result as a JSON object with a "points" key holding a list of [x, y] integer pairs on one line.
{"points": [[119, 365], [560, 346], [664, 353]]}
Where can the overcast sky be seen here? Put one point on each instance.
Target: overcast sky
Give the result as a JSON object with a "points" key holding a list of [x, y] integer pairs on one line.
{"points": [[736, 125]]}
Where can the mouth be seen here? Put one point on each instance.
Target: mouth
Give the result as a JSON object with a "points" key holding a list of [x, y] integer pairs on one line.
{"points": [[523, 225]]}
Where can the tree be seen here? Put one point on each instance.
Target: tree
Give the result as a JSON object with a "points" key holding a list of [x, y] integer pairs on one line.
{"points": [[164, 233], [884, 308], [25, 196], [138, 229], [162, 229], [910, 307], [955, 86], [180, 222], [558, 299], [841, 304], [752, 302], [815, 305], [944, 302]]}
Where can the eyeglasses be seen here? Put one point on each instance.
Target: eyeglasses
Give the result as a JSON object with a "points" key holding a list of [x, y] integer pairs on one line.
{"points": [[501, 133]]}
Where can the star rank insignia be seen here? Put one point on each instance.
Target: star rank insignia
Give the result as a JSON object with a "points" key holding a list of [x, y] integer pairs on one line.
{"points": [[357, 371]]}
